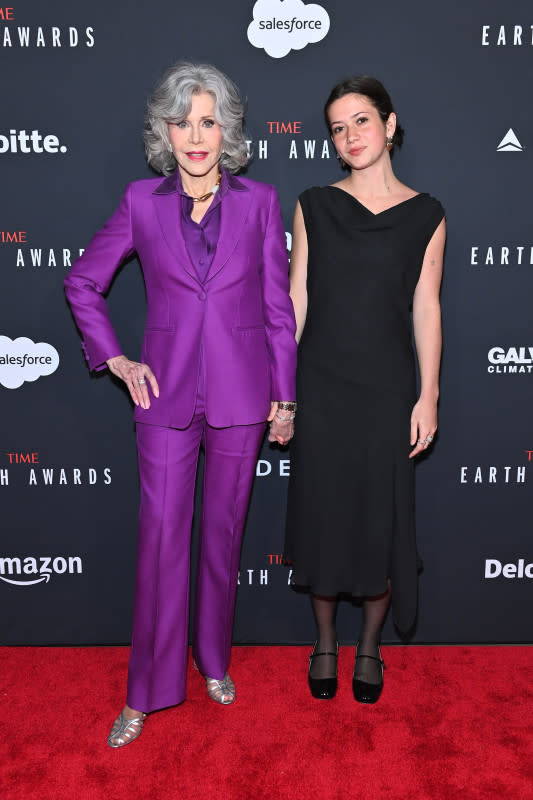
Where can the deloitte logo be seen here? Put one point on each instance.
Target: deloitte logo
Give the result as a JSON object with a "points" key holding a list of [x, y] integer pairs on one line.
{"points": [[31, 570], [23, 360], [495, 569], [509, 143], [280, 26], [30, 142]]}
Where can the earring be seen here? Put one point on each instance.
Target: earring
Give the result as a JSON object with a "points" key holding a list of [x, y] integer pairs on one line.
{"points": [[338, 156], [389, 143]]}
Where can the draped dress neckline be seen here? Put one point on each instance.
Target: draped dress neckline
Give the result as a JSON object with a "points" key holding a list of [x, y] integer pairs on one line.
{"points": [[385, 210]]}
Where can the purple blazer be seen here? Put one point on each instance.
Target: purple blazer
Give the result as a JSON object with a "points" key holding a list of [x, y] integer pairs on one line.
{"points": [[241, 316]]}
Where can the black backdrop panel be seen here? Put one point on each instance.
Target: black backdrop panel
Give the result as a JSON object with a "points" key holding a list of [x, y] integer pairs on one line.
{"points": [[73, 90]]}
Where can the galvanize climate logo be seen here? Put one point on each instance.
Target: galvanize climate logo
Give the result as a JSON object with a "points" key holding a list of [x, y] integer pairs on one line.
{"points": [[510, 361], [23, 360], [32, 570], [279, 26]]}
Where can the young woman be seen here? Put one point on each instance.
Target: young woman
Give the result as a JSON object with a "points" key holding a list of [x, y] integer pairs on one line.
{"points": [[366, 251]]}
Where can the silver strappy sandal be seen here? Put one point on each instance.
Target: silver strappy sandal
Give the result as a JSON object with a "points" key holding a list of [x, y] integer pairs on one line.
{"points": [[125, 730], [222, 692]]}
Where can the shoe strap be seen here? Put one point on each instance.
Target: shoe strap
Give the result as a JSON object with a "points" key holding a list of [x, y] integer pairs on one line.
{"points": [[326, 653], [121, 716], [374, 658]]}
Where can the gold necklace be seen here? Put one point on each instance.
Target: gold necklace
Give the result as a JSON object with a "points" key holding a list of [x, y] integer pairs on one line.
{"points": [[208, 194]]}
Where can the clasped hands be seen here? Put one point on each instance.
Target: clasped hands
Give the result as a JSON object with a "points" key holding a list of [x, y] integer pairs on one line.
{"points": [[281, 425]]}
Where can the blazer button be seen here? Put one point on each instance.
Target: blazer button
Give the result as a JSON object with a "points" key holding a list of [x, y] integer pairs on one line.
{"points": [[202, 296]]}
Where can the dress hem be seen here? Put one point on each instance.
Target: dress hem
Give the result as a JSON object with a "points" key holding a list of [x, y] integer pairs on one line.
{"points": [[302, 583]]}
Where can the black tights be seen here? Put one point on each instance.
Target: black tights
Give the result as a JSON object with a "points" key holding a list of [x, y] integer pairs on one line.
{"points": [[325, 610], [374, 613]]}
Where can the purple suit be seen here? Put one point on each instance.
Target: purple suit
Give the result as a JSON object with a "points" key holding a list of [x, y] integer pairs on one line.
{"points": [[221, 350], [242, 314]]}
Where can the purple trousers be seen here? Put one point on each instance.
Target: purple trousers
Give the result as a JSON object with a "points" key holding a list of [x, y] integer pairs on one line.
{"points": [[168, 459]]}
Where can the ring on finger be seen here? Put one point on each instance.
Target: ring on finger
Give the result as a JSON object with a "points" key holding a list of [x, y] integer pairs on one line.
{"points": [[141, 381]]}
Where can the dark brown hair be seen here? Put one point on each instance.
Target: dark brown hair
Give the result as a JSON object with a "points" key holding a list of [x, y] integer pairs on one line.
{"points": [[376, 93]]}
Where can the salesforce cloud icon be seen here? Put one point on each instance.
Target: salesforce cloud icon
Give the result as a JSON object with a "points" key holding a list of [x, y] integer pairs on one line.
{"points": [[280, 26], [23, 360]]}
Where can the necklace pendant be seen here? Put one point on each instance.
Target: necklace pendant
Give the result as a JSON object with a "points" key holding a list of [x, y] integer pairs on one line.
{"points": [[214, 190], [202, 198]]}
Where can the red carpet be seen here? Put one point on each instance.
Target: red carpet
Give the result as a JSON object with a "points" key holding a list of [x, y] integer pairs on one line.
{"points": [[452, 722]]}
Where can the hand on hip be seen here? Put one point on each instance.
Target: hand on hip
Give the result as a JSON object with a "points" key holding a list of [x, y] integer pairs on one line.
{"points": [[135, 376]]}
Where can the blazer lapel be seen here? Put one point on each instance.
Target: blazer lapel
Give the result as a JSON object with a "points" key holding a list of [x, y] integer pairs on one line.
{"points": [[233, 212], [167, 205]]}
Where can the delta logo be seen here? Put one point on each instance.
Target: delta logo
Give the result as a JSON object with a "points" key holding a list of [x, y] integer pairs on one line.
{"points": [[509, 143]]}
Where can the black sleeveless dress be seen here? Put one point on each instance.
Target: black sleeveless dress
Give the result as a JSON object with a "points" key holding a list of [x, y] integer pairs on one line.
{"points": [[350, 516]]}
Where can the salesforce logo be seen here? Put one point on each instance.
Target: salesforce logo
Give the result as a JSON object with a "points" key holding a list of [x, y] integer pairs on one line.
{"points": [[23, 360], [279, 26]]}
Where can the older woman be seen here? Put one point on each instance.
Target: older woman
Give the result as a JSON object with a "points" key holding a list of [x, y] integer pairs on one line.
{"points": [[218, 360]]}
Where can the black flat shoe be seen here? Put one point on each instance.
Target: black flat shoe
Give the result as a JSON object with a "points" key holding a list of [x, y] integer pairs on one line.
{"points": [[367, 692], [322, 688]]}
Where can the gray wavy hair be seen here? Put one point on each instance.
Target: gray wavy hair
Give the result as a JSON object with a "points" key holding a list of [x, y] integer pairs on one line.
{"points": [[171, 102]]}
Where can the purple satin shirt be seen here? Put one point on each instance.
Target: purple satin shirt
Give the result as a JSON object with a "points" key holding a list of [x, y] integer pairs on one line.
{"points": [[201, 238]]}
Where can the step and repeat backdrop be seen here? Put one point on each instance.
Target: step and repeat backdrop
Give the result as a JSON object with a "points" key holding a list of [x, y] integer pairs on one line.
{"points": [[73, 87]]}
